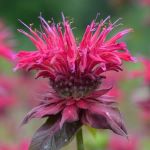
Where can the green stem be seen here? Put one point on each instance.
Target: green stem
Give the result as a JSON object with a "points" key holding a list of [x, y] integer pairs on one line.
{"points": [[79, 138]]}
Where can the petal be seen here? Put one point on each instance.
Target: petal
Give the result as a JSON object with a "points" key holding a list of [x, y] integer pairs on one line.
{"points": [[126, 56], [71, 45], [37, 67], [83, 61], [111, 58], [113, 119], [95, 121], [82, 104], [106, 99], [99, 93], [118, 36], [69, 114], [42, 111], [45, 74]]}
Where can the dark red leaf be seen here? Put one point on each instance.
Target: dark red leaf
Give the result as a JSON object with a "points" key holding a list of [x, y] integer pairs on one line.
{"points": [[105, 117], [51, 137]]}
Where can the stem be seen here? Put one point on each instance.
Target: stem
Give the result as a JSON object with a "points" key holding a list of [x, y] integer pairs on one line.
{"points": [[79, 139]]}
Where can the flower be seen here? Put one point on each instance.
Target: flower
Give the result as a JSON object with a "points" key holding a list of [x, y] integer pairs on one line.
{"points": [[144, 2], [145, 109], [75, 73], [94, 53], [145, 72], [23, 145], [144, 114], [7, 96], [5, 43], [117, 143]]}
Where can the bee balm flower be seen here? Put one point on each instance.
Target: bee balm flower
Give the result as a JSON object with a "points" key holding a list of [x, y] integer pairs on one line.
{"points": [[5, 43], [74, 70], [145, 72], [117, 143]]}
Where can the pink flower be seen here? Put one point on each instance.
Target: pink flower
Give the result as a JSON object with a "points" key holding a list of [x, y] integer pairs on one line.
{"points": [[145, 72], [144, 2], [75, 73], [116, 92], [58, 52], [23, 145], [12, 96], [117, 143], [7, 96], [145, 109], [144, 115], [6, 44]]}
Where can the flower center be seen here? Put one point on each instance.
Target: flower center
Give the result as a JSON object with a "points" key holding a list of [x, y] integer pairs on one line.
{"points": [[75, 87]]}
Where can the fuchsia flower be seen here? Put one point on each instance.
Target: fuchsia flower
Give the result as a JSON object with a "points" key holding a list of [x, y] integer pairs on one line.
{"points": [[5, 43], [144, 115], [116, 92], [117, 143], [74, 70], [145, 109], [145, 73], [7, 96], [145, 2], [23, 145]]}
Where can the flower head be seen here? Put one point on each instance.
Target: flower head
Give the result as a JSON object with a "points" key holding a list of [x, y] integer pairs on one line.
{"points": [[75, 73], [5, 43], [59, 52]]}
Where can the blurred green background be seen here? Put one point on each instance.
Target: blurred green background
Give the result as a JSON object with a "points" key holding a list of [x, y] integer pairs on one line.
{"points": [[82, 12]]}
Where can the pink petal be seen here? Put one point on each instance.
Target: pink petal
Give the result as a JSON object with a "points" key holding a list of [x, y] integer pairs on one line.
{"points": [[42, 111], [45, 74], [118, 36], [69, 114], [99, 93], [82, 104]]}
